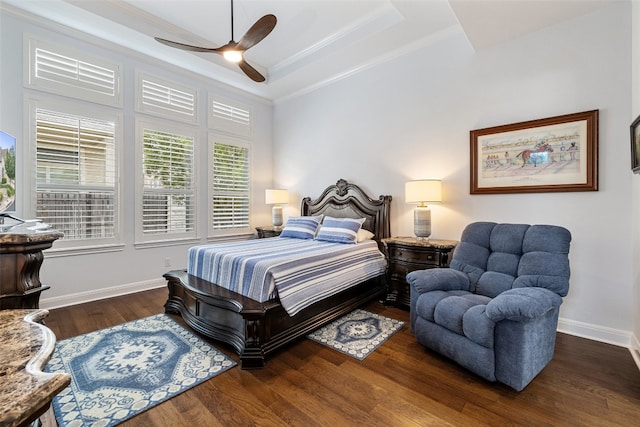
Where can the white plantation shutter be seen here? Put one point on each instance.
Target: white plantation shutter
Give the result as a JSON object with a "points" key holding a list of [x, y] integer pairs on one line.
{"points": [[159, 97], [168, 198], [76, 175], [73, 73], [229, 113], [60, 68], [230, 187], [230, 117]]}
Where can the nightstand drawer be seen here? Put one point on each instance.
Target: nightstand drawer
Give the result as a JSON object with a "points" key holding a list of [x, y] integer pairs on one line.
{"points": [[425, 257], [400, 268]]}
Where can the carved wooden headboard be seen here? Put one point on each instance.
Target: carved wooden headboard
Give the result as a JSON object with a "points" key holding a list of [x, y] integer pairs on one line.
{"points": [[345, 200]]}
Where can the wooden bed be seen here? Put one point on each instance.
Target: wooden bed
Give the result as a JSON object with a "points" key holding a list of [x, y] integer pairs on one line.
{"points": [[256, 330]]}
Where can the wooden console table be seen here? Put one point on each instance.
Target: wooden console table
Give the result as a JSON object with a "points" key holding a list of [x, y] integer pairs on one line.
{"points": [[25, 348], [20, 260]]}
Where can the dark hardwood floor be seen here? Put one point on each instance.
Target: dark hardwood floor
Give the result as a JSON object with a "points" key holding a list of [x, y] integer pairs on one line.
{"points": [[400, 384]]}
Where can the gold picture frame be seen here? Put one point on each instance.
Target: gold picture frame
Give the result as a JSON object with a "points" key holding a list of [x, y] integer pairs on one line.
{"points": [[547, 155]]}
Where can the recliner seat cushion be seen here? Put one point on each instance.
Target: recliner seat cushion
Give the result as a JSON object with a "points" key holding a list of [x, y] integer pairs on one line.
{"points": [[426, 304], [460, 312]]}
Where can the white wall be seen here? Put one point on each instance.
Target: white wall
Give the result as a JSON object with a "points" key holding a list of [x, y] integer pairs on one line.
{"points": [[80, 277], [411, 118], [404, 120], [635, 192]]}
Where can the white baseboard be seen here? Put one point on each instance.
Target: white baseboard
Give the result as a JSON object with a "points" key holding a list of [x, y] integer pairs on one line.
{"points": [[595, 332], [635, 350], [82, 297]]}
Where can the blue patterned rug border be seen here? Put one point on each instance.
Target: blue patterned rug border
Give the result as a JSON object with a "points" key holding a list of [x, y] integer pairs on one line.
{"points": [[358, 333], [200, 363]]}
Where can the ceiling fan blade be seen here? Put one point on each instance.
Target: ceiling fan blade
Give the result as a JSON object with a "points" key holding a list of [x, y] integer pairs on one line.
{"points": [[251, 72], [257, 32], [190, 47]]}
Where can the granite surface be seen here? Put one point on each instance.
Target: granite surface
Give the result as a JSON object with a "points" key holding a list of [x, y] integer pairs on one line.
{"points": [[426, 243], [28, 232], [25, 348]]}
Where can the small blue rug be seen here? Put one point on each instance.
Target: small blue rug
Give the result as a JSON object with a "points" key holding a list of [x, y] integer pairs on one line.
{"points": [[358, 333], [118, 372]]}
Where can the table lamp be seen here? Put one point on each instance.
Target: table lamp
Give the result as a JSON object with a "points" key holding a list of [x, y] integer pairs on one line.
{"points": [[422, 192], [276, 198]]}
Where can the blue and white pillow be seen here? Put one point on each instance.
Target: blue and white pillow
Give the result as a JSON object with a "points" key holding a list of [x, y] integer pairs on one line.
{"points": [[339, 230], [301, 227]]}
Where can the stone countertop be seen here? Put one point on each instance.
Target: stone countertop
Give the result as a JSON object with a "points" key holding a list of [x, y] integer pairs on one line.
{"points": [[25, 348], [28, 232], [427, 243]]}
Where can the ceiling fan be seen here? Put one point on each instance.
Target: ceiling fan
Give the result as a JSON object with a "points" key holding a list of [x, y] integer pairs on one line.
{"points": [[234, 51]]}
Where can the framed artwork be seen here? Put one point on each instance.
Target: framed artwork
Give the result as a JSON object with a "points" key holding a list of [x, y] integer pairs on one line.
{"points": [[546, 155], [635, 145], [7, 172]]}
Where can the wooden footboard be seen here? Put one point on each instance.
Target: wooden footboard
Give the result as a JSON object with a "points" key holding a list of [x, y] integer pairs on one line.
{"points": [[254, 329]]}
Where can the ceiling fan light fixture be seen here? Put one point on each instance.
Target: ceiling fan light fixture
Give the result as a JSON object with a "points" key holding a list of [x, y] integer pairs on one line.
{"points": [[234, 51], [234, 56]]}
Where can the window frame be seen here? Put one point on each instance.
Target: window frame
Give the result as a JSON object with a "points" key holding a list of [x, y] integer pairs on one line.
{"points": [[31, 184], [213, 138], [228, 125], [67, 88], [160, 239], [160, 110]]}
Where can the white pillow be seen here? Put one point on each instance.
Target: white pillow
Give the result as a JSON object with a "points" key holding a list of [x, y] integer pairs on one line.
{"points": [[364, 235]]}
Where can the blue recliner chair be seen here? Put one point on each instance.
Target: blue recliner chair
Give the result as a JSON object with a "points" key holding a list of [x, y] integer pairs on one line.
{"points": [[495, 310]]}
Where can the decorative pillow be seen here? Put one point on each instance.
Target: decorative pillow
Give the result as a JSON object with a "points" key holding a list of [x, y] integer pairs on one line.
{"points": [[339, 230], [364, 235], [301, 227]]}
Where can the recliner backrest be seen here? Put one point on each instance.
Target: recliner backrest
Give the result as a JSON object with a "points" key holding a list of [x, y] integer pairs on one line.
{"points": [[498, 257]]}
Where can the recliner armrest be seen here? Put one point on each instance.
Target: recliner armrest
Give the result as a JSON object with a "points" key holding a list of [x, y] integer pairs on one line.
{"points": [[443, 279], [522, 304]]}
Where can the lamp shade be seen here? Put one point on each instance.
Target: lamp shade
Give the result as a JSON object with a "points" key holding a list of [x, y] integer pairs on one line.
{"points": [[276, 197], [423, 190]]}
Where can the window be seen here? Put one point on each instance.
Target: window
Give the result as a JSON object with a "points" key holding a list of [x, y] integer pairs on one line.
{"points": [[72, 73], [230, 187], [166, 202], [167, 99], [76, 173], [230, 117]]}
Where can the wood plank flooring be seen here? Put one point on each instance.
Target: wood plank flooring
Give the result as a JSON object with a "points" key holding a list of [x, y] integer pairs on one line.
{"points": [[400, 384]]}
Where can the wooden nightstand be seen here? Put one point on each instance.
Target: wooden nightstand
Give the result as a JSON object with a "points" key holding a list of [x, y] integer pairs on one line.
{"points": [[269, 231], [406, 254]]}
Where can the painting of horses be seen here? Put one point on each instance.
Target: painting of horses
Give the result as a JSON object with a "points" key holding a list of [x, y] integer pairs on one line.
{"points": [[546, 155]]}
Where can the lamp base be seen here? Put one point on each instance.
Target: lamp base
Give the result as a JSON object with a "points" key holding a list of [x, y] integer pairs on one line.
{"points": [[422, 222], [276, 216]]}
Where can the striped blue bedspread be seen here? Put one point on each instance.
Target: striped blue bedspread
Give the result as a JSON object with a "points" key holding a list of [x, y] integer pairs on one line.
{"points": [[299, 272]]}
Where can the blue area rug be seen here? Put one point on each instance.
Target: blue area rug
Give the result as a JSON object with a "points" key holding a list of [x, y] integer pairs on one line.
{"points": [[358, 333], [118, 372]]}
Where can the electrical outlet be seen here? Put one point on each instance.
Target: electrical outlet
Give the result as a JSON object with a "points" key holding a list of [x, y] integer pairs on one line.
{"points": [[167, 262]]}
